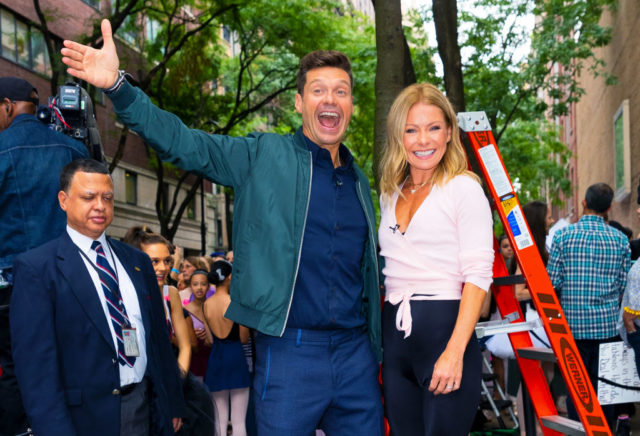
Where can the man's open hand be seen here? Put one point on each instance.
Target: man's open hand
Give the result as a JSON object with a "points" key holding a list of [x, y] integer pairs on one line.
{"points": [[97, 67]]}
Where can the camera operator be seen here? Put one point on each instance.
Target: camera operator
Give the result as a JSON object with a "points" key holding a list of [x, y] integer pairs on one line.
{"points": [[31, 158]]}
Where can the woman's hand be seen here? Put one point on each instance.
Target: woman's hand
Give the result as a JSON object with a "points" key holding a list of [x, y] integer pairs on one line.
{"points": [[201, 334], [447, 373]]}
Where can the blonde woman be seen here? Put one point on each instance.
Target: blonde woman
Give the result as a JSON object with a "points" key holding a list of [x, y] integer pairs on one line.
{"points": [[436, 237]]}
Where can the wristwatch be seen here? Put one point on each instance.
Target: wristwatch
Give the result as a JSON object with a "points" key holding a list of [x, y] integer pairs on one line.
{"points": [[122, 76]]}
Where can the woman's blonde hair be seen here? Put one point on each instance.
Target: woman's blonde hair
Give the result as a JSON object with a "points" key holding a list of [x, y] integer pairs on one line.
{"points": [[394, 166]]}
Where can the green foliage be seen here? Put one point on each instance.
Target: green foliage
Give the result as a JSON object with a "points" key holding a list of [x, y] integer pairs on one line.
{"points": [[422, 54], [563, 43], [536, 160], [501, 79], [245, 80]]}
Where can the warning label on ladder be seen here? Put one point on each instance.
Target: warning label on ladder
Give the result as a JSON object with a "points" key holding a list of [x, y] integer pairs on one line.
{"points": [[516, 222]]}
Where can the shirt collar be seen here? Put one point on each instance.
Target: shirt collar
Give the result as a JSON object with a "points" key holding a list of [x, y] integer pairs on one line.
{"points": [[84, 242], [592, 218], [316, 152]]}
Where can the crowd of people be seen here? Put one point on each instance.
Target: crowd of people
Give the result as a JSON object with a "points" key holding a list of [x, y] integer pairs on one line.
{"points": [[134, 337]]}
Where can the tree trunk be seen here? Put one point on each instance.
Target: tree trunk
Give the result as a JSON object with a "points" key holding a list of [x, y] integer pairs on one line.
{"points": [[394, 71], [445, 17]]}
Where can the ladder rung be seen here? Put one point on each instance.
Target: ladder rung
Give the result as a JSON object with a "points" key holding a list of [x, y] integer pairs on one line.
{"points": [[509, 280], [563, 425], [489, 377], [496, 327], [500, 404], [537, 353]]}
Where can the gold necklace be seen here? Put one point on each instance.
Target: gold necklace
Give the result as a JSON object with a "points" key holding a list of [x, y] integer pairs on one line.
{"points": [[419, 186]]}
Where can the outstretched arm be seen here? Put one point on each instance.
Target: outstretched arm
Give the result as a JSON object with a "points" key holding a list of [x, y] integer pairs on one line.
{"points": [[97, 67]]}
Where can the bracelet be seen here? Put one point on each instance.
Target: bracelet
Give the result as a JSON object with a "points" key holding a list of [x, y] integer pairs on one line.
{"points": [[632, 312], [122, 76], [175, 271]]}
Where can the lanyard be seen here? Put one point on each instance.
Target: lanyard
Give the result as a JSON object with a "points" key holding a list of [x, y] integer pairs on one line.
{"points": [[115, 270]]}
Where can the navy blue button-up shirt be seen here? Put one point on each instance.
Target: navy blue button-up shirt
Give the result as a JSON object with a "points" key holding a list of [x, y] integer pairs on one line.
{"points": [[328, 290]]}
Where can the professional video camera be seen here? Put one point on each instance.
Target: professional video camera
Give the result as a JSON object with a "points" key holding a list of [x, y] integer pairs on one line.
{"points": [[71, 112]]}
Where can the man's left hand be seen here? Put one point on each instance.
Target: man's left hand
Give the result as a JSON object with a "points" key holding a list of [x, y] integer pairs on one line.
{"points": [[628, 320], [177, 423]]}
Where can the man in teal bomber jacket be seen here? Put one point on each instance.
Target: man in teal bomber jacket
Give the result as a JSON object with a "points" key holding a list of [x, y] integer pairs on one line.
{"points": [[305, 265]]}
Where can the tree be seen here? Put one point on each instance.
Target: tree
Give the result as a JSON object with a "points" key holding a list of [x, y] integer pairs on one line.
{"points": [[184, 67], [394, 68], [493, 79]]}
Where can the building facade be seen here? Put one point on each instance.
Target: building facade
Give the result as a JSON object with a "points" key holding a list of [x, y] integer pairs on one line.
{"points": [[23, 54], [603, 128]]}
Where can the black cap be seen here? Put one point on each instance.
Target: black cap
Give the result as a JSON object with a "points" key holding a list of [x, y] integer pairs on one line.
{"points": [[17, 89], [220, 270]]}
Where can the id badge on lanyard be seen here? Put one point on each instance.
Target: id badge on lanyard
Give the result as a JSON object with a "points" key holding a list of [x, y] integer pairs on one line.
{"points": [[130, 339]]}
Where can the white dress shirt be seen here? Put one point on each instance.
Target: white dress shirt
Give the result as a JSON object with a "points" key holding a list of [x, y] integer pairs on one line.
{"points": [[128, 375]]}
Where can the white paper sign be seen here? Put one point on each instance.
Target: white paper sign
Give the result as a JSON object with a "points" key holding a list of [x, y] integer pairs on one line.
{"points": [[618, 364], [496, 171]]}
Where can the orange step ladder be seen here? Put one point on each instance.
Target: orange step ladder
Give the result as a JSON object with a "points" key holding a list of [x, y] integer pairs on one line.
{"points": [[476, 131]]}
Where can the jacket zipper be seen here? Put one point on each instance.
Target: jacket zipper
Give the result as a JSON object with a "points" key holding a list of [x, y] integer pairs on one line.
{"points": [[371, 236], [304, 225]]}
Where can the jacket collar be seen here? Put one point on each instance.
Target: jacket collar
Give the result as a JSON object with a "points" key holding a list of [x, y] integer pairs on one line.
{"points": [[22, 118]]}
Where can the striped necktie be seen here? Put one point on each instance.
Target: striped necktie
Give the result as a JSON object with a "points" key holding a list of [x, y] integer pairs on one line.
{"points": [[117, 311]]}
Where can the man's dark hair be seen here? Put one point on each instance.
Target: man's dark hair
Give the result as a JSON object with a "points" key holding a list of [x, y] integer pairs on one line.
{"points": [[320, 59], [83, 165], [598, 197]]}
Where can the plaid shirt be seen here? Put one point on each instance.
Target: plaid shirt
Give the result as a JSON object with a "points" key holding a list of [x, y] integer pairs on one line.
{"points": [[588, 266]]}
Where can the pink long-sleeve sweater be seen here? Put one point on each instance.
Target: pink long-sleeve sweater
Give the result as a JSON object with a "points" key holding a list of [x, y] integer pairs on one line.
{"points": [[448, 242]]}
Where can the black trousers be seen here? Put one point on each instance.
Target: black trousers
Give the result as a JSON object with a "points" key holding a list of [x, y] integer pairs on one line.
{"points": [[13, 419], [408, 365], [589, 350]]}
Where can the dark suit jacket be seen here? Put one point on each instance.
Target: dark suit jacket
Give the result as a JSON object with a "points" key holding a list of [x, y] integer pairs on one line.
{"points": [[64, 354]]}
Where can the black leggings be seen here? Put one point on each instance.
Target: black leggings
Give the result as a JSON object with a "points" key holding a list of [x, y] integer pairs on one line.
{"points": [[408, 365]]}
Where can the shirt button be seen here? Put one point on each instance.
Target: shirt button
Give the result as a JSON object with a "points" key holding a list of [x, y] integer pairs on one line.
{"points": [[116, 392]]}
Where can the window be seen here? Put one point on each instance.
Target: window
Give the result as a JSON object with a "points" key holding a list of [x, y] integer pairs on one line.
{"points": [[151, 29], [93, 3], [191, 209], [128, 31], [226, 34], [622, 149], [8, 25], [23, 43], [219, 232], [131, 187], [39, 54]]}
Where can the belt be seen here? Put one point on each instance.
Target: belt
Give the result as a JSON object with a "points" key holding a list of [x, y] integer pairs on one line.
{"points": [[127, 389]]}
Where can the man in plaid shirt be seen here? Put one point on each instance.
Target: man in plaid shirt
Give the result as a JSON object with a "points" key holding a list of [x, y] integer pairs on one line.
{"points": [[588, 265]]}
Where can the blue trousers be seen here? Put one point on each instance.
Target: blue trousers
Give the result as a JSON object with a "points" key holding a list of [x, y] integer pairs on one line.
{"points": [[634, 341], [308, 379]]}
